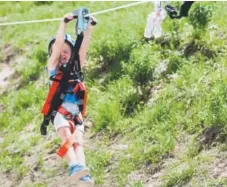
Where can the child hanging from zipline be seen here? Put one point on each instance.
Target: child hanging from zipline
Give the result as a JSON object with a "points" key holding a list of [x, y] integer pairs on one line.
{"points": [[68, 118]]}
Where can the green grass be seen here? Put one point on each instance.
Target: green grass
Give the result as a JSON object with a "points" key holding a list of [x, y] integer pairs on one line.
{"points": [[179, 175], [38, 184], [217, 183], [97, 162], [120, 82], [20, 107], [137, 184]]}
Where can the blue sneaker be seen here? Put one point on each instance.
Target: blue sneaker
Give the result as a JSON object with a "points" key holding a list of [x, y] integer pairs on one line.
{"points": [[86, 181], [77, 171]]}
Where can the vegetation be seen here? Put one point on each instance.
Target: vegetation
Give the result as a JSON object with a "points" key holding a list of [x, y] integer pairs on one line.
{"points": [[146, 95]]}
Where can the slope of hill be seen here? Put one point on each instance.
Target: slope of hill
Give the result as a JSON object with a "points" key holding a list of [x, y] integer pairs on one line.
{"points": [[156, 110]]}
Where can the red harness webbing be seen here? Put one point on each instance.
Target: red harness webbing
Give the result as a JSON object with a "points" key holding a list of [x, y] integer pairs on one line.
{"points": [[52, 91], [71, 140], [81, 87], [47, 105]]}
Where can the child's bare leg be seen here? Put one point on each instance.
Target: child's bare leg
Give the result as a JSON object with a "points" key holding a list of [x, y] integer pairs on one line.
{"points": [[77, 169], [79, 151], [64, 133]]}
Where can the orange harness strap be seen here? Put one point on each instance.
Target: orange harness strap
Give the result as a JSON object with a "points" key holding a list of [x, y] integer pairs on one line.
{"points": [[71, 140], [53, 89], [68, 143], [80, 87]]}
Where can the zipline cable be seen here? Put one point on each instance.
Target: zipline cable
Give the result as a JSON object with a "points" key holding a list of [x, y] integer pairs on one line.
{"points": [[32, 21], [58, 19]]}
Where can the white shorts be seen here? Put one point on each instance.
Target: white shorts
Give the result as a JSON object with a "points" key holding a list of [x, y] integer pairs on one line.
{"points": [[60, 120]]}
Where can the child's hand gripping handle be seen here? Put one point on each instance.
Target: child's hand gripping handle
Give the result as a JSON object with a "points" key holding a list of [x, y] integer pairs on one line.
{"points": [[74, 15], [69, 17]]}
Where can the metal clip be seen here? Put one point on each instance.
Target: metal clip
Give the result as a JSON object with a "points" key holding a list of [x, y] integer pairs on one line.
{"points": [[82, 22], [83, 18]]}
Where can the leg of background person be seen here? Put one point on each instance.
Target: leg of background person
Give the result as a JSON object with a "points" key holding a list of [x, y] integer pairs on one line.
{"points": [[185, 7]]}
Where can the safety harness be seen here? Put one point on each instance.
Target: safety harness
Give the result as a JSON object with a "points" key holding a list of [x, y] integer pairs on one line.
{"points": [[66, 75]]}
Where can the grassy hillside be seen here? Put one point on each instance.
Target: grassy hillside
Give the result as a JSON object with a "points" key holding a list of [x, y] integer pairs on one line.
{"points": [[157, 108]]}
